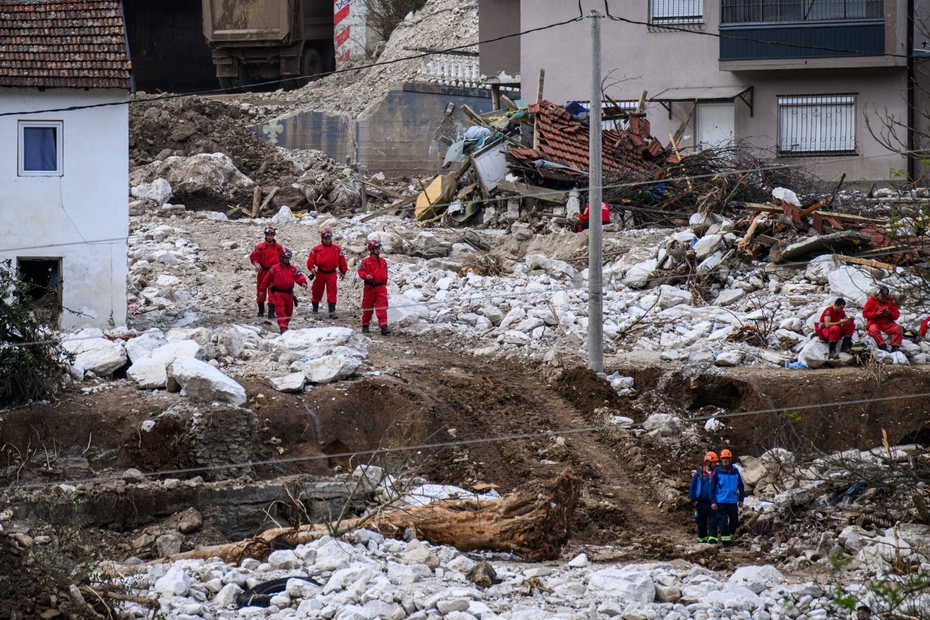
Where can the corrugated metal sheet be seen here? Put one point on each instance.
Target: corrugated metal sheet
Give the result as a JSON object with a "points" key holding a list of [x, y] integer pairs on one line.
{"points": [[63, 45]]}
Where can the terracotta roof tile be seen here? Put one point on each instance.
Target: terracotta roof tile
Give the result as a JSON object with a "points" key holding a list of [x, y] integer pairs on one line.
{"points": [[565, 140], [56, 44]]}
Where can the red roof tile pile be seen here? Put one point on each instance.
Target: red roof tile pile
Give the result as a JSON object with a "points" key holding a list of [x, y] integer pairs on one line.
{"points": [[63, 44], [899, 250], [564, 140]]}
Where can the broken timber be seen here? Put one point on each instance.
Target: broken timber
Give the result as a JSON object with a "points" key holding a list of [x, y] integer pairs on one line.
{"points": [[533, 522], [842, 217]]}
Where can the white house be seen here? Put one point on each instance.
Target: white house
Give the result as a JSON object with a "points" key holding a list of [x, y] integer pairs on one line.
{"points": [[64, 118]]}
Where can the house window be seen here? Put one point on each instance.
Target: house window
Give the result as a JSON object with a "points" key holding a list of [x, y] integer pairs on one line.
{"points": [[819, 124], [40, 148], [671, 12]]}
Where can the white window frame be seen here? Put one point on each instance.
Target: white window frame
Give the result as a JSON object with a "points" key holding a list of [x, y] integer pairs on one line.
{"points": [[829, 122], [59, 149], [672, 12]]}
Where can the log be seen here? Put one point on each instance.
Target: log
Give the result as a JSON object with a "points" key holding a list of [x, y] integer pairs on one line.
{"points": [[256, 201], [274, 190], [540, 85], [533, 522]]}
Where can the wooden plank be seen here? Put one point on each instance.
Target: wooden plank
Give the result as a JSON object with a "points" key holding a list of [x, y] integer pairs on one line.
{"points": [[395, 207], [677, 154], [256, 200], [473, 116], [382, 189], [862, 261], [274, 190], [540, 84], [684, 126], [507, 101], [641, 104], [531, 191], [841, 217]]}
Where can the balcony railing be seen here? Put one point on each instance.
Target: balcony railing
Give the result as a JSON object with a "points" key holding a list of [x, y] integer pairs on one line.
{"points": [[783, 29], [799, 11]]}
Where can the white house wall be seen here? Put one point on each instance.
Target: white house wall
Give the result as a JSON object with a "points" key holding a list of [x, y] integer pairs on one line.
{"points": [[82, 216], [640, 60]]}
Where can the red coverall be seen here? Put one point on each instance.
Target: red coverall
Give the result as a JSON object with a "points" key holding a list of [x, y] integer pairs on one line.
{"points": [[267, 256], [281, 281], [583, 217], [375, 297], [326, 259], [834, 332], [877, 324], [924, 326]]}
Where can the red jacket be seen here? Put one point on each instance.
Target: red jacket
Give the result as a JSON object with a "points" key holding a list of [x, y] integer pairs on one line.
{"points": [[267, 256], [605, 214], [835, 316], [376, 267], [281, 279], [874, 305], [327, 259]]}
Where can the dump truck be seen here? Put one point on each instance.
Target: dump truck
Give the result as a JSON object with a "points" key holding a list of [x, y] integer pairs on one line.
{"points": [[263, 40]]}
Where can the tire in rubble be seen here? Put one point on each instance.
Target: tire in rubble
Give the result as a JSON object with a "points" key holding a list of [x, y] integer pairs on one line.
{"points": [[260, 595]]}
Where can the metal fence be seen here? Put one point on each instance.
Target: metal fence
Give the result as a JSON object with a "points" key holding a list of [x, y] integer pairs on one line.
{"points": [[819, 124], [755, 11], [670, 12]]}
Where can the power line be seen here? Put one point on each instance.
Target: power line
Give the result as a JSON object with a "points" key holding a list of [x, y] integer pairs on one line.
{"points": [[470, 442]]}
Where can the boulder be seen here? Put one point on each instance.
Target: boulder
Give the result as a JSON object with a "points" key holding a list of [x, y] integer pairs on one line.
{"points": [[346, 195], [852, 284], [328, 368], [202, 335], [814, 354], [315, 342], [732, 357], [188, 175], [175, 582], [293, 382], [639, 274], [151, 371], [671, 296], [403, 311], [623, 584], [94, 353], [707, 245], [143, 344], [666, 423], [728, 295], [819, 269], [236, 338], [202, 382], [158, 191]]}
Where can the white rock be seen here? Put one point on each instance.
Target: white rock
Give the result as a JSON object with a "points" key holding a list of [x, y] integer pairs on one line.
{"points": [[403, 312], [623, 584], [175, 582], [852, 284], [143, 344], [284, 559], [766, 574], [158, 190], [283, 216], [579, 561], [728, 296], [226, 596], [293, 382], [461, 564], [666, 423], [710, 263], [732, 357], [714, 425], [202, 382], [151, 371], [404, 574], [707, 245], [193, 174], [94, 353], [316, 342], [820, 267], [671, 296], [492, 313], [639, 274], [515, 316], [202, 335], [814, 354], [332, 555], [328, 368]]}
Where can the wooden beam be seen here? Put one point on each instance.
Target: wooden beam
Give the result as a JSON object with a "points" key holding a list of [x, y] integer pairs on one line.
{"points": [[641, 104], [865, 262], [256, 201], [274, 190], [473, 116], [684, 126], [540, 84], [507, 101], [531, 191], [382, 189], [842, 217]]}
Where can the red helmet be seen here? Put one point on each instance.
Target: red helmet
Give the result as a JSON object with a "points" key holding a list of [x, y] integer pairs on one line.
{"points": [[326, 233], [374, 243], [726, 454], [710, 457], [271, 230]]}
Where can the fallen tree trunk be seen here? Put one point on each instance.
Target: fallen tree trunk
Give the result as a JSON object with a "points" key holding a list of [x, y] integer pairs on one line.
{"points": [[533, 522]]}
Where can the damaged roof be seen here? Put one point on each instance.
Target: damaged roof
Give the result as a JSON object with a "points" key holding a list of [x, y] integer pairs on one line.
{"points": [[50, 44], [565, 140]]}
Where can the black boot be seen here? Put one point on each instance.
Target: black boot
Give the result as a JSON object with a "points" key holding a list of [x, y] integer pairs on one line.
{"points": [[271, 314], [332, 311], [385, 331], [846, 347], [365, 329], [832, 353], [261, 308], [316, 307]]}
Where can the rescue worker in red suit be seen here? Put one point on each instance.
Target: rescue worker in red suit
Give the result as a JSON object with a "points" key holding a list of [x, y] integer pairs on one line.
{"points": [[325, 260], [583, 218], [374, 271], [264, 257], [835, 326], [279, 282], [881, 313]]}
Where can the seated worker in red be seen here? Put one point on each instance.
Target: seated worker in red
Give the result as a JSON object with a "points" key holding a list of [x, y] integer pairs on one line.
{"points": [[281, 279], [834, 326], [924, 326], [583, 218], [881, 313]]}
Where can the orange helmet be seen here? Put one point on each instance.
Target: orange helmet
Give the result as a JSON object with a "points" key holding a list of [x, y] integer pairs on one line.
{"points": [[710, 457], [726, 454]]}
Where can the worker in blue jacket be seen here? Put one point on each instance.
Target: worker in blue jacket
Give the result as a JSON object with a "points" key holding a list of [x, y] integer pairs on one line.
{"points": [[729, 494], [701, 494]]}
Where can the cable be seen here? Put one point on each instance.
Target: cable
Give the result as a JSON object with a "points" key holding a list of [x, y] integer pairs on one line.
{"points": [[466, 442], [286, 80]]}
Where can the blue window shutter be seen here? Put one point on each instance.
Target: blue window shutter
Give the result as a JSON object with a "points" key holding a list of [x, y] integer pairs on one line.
{"points": [[40, 149]]}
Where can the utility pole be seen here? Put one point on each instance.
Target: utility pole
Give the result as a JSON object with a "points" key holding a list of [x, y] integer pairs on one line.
{"points": [[595, 250]]}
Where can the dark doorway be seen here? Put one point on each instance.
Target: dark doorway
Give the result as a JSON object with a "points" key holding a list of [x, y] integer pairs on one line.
{"points": [[41, 279]]}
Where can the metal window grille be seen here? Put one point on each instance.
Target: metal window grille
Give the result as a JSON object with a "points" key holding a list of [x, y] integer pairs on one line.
{"points": [[664, 12], [792, 11], [814, 125]]}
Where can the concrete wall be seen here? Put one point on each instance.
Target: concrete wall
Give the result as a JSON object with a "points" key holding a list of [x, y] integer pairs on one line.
{"points": [[399, 136], [654, 61], [499, 18], [81, 216]]}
